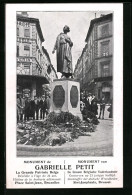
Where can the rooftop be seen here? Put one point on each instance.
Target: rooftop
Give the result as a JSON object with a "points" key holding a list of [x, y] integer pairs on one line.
{"points": [[96, 20], [32, 20]]}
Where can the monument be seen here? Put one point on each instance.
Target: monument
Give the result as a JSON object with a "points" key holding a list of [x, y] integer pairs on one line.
{"points": [[65, 92]]}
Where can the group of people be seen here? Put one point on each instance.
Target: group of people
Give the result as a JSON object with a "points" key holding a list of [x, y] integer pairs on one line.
{"points": [[35, 108], [90, 103]]}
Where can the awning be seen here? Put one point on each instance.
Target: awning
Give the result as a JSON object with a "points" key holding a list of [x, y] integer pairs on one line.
{"points": [[36, 78], [99, 79]]}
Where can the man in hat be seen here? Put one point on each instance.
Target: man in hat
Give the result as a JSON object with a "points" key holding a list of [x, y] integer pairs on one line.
{"points": [[27, 108], [42, 107], [63, 47], [94, 107], [88, 102]]}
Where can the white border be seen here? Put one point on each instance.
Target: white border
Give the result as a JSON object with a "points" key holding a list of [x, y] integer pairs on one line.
{"points": [[13, 163]]}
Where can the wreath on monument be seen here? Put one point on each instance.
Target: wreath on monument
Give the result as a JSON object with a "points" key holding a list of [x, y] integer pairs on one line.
{"points": [[57, 129]]}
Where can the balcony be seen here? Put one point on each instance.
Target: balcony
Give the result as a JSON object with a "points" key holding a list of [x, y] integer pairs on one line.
{"points": [[24, 40], [104, 56]]}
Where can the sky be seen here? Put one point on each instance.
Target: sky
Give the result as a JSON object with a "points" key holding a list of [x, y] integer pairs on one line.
{"points": [[52, 24]]}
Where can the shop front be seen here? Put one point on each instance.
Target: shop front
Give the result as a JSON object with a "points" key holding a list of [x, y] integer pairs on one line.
{"points": [[105, 89], [30, 86], [100, 87]]}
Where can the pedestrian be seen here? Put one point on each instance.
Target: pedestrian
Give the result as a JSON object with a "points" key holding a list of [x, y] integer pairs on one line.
{"points": [[94, 107], [102, 107], [88, 102], [82, 101], [23, 108], [82, 105], [36, 100], [47, 104], [19, 108], [110, 110], [27, 108], [42, 107], [32, 108]]}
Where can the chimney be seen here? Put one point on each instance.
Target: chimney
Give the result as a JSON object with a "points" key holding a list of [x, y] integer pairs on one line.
{"points": [[24, 14]]}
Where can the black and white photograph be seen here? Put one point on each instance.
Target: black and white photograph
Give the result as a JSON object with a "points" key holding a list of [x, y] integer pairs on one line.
{"points": [[64, 91], [64, 83]]}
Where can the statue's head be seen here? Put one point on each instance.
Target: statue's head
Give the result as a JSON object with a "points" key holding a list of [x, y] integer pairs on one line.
{"points": [[66, 29]]}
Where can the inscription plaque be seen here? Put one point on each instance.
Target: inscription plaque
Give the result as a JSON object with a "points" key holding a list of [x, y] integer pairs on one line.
{"points": [[58, 96], [74, 96]]}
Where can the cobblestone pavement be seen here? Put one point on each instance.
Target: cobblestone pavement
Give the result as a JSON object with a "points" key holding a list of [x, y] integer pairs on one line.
{"points": [[98, 143]]}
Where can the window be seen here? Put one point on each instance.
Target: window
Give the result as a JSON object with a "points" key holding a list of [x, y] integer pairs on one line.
{"points": [[26, 33], [105, 70], [26, 47], [105, 48], [17, 51], [17, 31], [105, 30], [26, 68], [26, 50]]}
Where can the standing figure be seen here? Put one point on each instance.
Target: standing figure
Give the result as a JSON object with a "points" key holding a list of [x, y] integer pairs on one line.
{"points": [[47, 104], [94, 107], [102, 107], [27, 108], [88, 102], [42, 107], [63, 47], [32, 108], [82, 102], [23, 107], [19, 108], [36, 100], [110, 110]]}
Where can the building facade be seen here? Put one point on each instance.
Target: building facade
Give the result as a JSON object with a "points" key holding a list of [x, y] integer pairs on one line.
{"points": [[97, 63], [32, 65], [80, 68], [47, 66]]}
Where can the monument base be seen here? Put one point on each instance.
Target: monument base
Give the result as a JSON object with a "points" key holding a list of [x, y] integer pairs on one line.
{"points": [[65, 96]]}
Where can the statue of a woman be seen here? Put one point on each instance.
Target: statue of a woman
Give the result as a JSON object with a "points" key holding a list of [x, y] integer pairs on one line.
{"points": [[63, 47]]}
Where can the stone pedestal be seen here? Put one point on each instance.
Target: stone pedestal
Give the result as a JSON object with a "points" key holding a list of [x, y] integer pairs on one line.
{"points": [[65, 96]]}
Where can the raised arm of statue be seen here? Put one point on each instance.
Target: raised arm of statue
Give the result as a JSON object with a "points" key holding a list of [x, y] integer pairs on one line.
{"points": [[55, 47]]}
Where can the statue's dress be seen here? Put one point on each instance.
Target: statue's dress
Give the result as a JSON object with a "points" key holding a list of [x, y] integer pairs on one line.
{"points": [[63, 47]]}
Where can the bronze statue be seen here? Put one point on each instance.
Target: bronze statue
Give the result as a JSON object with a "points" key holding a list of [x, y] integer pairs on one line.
{"points": [[63, 47]]}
